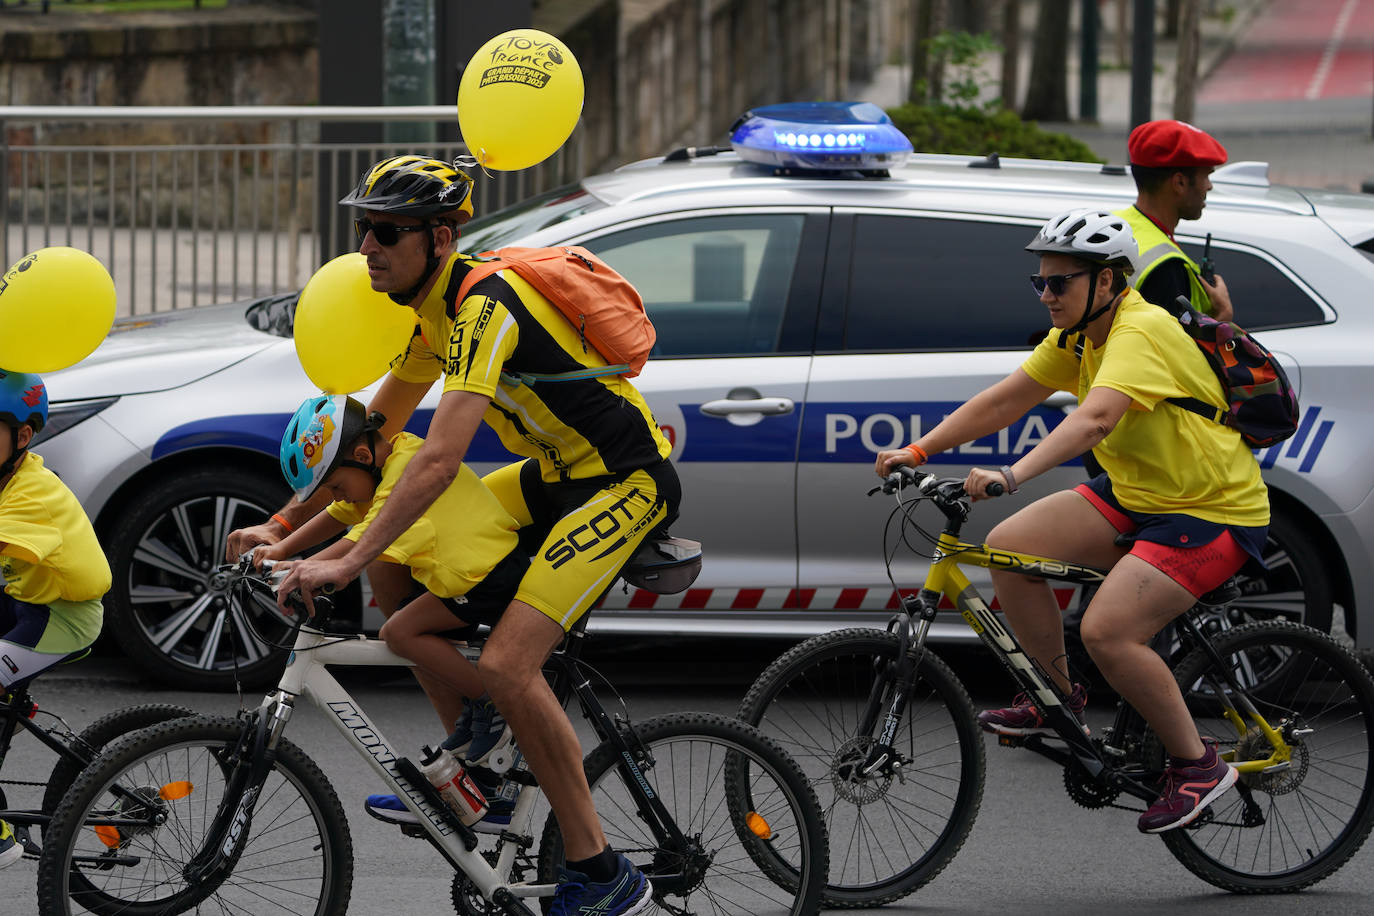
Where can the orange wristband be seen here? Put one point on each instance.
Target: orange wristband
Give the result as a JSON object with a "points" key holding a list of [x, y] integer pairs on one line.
{"points": [[276, 517], [920, 453]]}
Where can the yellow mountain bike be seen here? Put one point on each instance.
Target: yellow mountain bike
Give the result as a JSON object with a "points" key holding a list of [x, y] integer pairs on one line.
{"points": [[886, 732]]}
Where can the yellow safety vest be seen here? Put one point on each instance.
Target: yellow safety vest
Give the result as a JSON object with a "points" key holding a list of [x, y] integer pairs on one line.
{"points": [[1157, 248]]}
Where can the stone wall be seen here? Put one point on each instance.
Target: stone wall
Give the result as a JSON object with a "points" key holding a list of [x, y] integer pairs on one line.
{"points": [[659, 73], [241, 55]]}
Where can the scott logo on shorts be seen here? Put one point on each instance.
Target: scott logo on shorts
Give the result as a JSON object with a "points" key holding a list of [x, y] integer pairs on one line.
{"points": [[598, 529]]}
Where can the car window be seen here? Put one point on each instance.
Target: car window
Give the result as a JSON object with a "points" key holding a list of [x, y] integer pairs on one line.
{"points": [[512, 223], [712, 285], [922, 283], [1261, 294]]}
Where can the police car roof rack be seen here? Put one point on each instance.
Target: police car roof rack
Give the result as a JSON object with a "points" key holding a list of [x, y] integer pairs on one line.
{"points": [[694, 152]]}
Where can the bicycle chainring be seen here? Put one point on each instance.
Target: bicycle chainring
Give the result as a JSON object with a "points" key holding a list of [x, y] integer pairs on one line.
{"points": [[1086, 791], [468, 900]]}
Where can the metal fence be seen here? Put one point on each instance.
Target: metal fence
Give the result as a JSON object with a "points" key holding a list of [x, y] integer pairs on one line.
{"points": [[191, 223]]}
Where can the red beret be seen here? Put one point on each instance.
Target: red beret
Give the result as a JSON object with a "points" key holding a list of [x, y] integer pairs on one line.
{"points": [[1173, 144]]}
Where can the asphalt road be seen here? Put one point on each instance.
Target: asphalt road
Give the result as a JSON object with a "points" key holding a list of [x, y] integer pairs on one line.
{"points": [[1030, 848]]}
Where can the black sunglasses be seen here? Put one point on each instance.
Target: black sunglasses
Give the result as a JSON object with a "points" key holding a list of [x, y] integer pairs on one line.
{"points": [[386, 234], [1055, 282]]}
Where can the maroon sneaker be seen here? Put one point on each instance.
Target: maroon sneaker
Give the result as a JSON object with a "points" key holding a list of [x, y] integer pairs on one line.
{"points": [[1023, 717], [1188, 790]]}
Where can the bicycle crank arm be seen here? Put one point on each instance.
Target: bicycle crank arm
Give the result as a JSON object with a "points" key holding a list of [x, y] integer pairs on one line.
{"points": [[510, 903]]}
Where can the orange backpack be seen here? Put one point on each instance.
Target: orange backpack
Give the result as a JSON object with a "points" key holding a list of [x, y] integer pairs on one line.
{"points": [[604, 307]]}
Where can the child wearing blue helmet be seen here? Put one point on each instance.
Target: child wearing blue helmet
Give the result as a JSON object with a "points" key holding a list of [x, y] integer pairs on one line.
{"points": [[462, 553], [53, 568]]}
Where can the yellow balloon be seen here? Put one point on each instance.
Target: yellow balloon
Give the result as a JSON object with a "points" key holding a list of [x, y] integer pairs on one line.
{"points": [[346, 332], [56, 306], [519, 99]]}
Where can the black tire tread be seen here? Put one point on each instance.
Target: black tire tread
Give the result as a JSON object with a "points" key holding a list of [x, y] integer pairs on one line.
{"points": [[709, 725], [99, 733], [126, 751], [933, 670], [1340, 659]]}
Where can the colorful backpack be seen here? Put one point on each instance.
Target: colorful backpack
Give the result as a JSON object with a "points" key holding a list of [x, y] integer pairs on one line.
{"points": [[603, 306], [1263, 407]]}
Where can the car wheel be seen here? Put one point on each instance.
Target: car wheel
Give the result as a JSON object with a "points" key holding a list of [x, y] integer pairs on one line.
{"points": [[167, 607], [1295, 586]]}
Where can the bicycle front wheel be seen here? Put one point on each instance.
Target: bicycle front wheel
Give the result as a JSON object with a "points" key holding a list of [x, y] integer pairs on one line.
{"points": [[894, 829], [166, 783], [1309, 816], [754, 840]]}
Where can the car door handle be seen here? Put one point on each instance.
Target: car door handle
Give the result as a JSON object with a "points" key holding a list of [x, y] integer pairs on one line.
{"points": [[772, 407], [1060, 400]]}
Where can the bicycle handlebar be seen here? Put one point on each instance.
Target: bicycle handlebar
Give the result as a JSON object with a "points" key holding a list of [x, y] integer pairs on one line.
{"points": [[269, 578], [941, 489]]}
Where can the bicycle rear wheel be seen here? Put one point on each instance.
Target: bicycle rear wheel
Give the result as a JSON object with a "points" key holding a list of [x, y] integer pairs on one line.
{"points": [[755, 840], [890, 832], [99, 733], [1314, 814], [298, 857]]}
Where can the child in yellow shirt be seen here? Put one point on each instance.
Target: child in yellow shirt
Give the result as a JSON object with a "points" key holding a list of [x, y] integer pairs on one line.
{"points": [[54, 570]]}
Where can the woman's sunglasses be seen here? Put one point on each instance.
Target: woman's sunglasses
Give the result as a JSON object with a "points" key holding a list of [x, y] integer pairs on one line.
{"points": [[386, 234], [1055, 282]]}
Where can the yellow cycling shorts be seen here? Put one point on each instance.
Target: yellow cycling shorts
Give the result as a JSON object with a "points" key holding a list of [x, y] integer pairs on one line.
{"points": [[582, 531]]}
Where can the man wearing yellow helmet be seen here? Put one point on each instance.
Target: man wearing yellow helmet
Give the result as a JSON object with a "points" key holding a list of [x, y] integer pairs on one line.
{"points": [[595, 482]]}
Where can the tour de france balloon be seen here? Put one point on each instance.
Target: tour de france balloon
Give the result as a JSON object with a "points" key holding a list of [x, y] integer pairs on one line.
{"points": [[56, 306], [519, 99], [346, 332]]}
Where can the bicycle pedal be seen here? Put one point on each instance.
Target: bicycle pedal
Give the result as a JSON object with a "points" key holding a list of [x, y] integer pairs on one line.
{"points": [[1011, 740], [414, 830]]}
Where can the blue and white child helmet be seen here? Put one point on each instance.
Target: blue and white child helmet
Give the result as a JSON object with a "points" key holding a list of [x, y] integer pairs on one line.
{"points": [[23, 399], [312, 446]]}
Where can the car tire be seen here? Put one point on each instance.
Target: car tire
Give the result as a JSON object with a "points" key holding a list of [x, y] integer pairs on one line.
{"points": [[1296, 585], [167, 608]]}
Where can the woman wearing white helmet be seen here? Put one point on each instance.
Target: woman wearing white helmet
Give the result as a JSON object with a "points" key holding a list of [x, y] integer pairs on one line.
{"points": [[1185, 489]]}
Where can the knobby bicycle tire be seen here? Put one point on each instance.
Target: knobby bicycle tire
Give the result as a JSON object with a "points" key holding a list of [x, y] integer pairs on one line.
{"points": [[1319, 810], [758, 841], [889, 833], [99, 733], [298, 857]]}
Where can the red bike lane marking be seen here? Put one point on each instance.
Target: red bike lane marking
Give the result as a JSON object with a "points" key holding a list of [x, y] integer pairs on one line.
{"points": [[1300, 49]]}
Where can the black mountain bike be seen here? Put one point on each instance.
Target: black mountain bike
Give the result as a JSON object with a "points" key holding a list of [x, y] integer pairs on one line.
{"points": [[886, 732], [74, 752]]}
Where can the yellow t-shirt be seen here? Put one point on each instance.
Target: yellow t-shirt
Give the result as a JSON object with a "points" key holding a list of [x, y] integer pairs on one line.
{"points": [[576, 428], [1160, 457], [460, 538], [49, 554]]}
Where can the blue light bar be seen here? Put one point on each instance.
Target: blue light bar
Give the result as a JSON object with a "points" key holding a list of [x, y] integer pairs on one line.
{"points": [[820, 136]]}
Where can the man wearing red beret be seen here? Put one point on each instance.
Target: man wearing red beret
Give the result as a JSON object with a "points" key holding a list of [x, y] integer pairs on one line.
{"points": [[1170, 162]]}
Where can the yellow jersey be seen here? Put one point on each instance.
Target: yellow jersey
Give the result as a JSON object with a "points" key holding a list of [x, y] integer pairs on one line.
{"points": [[460, 538], [1160, 457]]}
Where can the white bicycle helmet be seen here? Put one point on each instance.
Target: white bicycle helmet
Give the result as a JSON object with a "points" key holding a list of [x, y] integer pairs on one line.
{"points": [[1092, 235], [1096, 236]]}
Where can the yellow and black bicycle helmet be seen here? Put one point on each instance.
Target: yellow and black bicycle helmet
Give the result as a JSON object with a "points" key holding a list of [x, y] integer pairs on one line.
{"points": [[415, 186], [421, 188]]}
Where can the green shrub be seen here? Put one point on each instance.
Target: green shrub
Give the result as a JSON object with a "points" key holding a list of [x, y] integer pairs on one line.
{"points": [[979, 131]]}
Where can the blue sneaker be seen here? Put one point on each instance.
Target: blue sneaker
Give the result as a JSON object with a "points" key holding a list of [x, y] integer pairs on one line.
{"points": [[392, 810], [461, 739], [479, 730], [10, 850], [627, 893]]}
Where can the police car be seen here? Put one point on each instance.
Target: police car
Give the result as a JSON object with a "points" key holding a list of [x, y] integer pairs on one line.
{"points": [[820, 294]]}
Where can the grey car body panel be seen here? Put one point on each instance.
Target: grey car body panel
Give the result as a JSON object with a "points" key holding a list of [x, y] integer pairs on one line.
{"points": [[791, 524]]}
